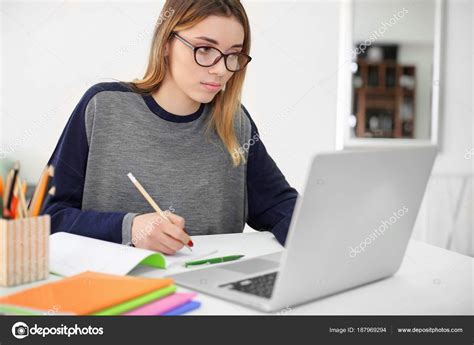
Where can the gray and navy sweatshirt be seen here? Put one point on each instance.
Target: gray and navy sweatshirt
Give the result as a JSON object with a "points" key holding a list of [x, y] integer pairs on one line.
{"points": [[114, 130]]}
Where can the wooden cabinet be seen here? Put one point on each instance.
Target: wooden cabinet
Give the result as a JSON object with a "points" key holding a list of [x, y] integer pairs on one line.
{"points": [[384, 99]]}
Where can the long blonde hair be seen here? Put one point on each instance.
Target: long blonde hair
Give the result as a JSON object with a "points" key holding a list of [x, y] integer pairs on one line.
{"points": [[179, 15]]}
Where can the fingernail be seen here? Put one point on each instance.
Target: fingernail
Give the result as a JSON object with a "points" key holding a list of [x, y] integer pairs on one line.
{"points": [[190, 243]]}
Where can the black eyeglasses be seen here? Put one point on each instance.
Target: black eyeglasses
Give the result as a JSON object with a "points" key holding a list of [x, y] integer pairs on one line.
{"points": [[206, 56]]}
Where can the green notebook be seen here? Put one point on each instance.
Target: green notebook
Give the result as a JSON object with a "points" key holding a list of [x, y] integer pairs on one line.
{"points": [[6, 309], [137, 302]]}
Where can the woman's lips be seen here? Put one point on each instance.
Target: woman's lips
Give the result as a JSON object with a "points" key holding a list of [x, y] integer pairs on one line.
{"points": [[212, 86]]}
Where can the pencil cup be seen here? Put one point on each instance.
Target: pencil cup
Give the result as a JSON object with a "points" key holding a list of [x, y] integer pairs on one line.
{"points": [[24, 250]]}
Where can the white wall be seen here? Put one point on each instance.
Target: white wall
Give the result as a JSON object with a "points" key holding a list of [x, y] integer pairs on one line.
{"points": [[447, 210], [456, 90], [291, 85]]}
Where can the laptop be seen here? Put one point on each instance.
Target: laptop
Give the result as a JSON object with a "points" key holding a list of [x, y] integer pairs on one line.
{"points": [[350, 227]]}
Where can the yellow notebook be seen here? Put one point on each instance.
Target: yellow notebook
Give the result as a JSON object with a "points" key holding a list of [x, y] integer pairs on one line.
{"points": [[86, 293]]}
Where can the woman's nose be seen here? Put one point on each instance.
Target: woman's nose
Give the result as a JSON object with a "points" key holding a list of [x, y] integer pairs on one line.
{"points": [[219, 68]]}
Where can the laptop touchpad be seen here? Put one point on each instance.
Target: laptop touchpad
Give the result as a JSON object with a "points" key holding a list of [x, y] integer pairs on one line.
{"points": [[251, 266]]}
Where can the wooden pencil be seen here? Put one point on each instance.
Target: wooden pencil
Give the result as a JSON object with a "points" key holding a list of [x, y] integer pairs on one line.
{"points": [[150, 200]]}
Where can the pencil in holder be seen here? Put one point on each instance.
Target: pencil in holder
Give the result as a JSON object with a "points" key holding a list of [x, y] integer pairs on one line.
{"points": [[24, 250]]}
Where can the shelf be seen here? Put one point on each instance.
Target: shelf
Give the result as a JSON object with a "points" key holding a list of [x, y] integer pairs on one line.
{"points": [[383, 94]]}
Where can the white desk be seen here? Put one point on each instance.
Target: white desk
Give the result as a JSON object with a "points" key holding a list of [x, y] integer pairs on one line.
{"points": [[431, 281]]}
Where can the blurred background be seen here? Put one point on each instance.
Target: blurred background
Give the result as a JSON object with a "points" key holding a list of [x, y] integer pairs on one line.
{"points": [[325, 76]]}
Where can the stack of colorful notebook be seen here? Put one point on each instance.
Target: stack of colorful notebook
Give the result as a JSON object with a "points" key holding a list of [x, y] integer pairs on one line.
{"points": [[92, 293]]}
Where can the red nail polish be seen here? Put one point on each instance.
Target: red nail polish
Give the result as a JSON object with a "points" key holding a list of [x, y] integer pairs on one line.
{"points": [[190, 243]]}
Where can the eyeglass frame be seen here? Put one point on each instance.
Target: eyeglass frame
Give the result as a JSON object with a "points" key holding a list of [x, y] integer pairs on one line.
{"points": [[225, 56]]}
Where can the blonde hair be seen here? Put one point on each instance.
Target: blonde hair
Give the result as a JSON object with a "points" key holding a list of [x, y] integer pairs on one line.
{"points": [[179, 15]]}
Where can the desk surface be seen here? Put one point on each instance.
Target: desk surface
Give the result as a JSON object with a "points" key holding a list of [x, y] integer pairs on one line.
{"points": [[431, 281]]}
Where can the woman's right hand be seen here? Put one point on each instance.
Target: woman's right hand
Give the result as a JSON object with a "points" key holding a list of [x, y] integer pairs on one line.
{"points": [[154, 232]]}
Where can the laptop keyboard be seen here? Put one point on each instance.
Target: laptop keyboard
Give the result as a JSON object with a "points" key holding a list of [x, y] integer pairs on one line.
{"points": [[261, 285]]}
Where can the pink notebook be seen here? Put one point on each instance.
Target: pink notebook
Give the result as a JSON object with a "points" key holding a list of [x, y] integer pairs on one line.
{"points": [[163, 305]]}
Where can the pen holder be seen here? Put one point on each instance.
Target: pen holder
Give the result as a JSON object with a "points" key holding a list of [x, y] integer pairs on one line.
{"points": [[24, 250]]}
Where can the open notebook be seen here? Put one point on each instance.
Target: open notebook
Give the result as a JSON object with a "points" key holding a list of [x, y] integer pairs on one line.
{"points": [[72, 254]]}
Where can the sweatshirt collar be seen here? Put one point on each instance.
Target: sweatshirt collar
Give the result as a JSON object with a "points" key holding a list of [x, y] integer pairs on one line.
{"points": [[165, 115]]}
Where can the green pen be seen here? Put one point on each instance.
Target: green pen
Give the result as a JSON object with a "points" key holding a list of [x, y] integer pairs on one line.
{"points": [[213, 260]]}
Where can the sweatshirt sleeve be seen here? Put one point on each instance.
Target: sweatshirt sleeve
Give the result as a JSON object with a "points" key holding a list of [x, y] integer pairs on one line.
{"points": [[70, 161], [271, 200]]}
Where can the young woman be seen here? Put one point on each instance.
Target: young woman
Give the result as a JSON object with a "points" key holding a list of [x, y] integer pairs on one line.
{"points": [[182, 132]]}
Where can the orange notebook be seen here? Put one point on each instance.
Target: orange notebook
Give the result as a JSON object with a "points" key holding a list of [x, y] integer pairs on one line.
{"points": [[84, 293]]}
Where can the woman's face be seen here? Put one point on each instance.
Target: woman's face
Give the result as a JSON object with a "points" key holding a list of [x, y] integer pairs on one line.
{"points": [[199, 83]]}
